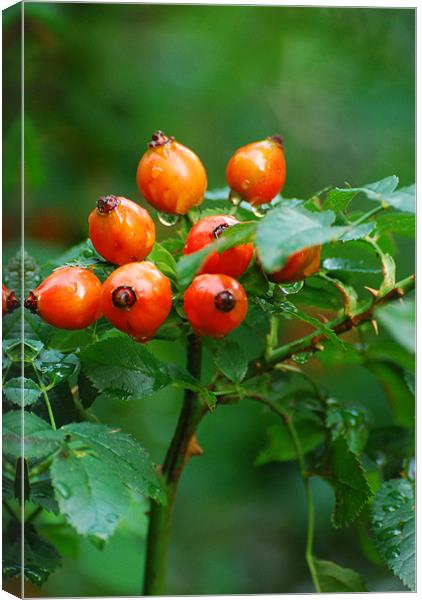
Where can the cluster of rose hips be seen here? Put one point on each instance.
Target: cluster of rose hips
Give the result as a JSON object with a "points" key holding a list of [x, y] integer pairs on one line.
{"points": [[136, 297]]}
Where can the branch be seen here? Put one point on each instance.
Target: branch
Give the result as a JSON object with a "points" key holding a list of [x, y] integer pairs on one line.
{"points": [[181, 447], [313, 341]]}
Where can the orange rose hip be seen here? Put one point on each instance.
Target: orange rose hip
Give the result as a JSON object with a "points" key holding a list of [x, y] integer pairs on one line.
{"points": [[69, 298], [120, 230], [233, 262], [136, 298], [257, 171], [170, 176], [215, 304]]}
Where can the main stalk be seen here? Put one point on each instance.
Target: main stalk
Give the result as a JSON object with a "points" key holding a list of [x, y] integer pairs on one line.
{"points": [[159, 529]]}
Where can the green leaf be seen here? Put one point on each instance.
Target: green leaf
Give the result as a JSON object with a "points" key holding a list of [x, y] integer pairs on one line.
{"points": [[15, 350], [383, 191], [397, 223], [383, 186], [284, 231], [347, 265], [403, 199], [40, 557], [55, 366], [255, 282], [90, 495], [124, 369], [163, 260], [83, 255], [291, 309], [393, 520], [239, 234], [42, 493], [357, 232], [351, 487], [399, 320], [122, 455], [333, 578], [349, 423], [279, 445], [22, 391], [338, 199], [231, 361], [40, 439]]}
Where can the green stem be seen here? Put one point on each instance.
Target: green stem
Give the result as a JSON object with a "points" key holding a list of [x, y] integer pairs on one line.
{"points": [[46, 398], [294, 436], [369, 214], [312, 342], [177, 455]]}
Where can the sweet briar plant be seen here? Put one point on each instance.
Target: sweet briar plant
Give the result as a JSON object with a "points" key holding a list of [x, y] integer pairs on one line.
{"points": [[84, 474]]}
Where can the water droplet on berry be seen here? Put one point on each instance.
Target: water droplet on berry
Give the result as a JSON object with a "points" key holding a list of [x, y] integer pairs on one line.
{"points": [[168, 220], [258, 211], [234, 198], [156, 172], [291, 288]]}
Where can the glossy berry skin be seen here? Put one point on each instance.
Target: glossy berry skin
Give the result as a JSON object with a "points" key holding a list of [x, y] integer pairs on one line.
{"points": [[299, 265], [136, 298], [233, 262], [9, 300], [121, 231], [69, 298], [257, 171], [215, 304], [170, 176]]}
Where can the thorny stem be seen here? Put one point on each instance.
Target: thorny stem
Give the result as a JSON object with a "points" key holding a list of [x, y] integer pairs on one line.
{"points": [[177, 455], [287, 420], [312, 342], [46, 398], [192, 412]]}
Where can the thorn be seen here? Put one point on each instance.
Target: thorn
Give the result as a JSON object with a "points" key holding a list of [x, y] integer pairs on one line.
{"points": [[319, 346], [193, 449], [323, 318], [374, 324], [374, 293]]}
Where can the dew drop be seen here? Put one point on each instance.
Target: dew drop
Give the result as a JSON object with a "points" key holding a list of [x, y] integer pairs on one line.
{"points": [[168, 220], [291, 288], [234, 198], [258, 211]]}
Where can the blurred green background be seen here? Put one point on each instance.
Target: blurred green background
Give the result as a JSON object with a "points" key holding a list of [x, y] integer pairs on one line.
{"points": [[99, 79]]}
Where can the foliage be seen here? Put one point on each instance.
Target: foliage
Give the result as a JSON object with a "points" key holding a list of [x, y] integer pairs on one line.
{"points": [[85, 475]]}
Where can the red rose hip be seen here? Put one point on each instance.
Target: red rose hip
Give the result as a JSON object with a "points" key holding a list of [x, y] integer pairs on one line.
{"points": [[215, 304], [121, 230], [299, 265], [136, 298], [69, 298], [170, 176], [257, 171], [233, 262]]}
